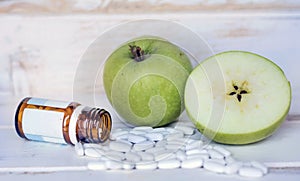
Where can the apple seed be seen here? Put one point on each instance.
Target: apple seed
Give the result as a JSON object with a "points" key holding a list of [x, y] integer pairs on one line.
{"points": [[232, 93], [243, 92], [239, 91]]}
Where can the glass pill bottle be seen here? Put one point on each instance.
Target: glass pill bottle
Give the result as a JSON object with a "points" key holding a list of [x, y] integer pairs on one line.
{"points": [[61, 122]]}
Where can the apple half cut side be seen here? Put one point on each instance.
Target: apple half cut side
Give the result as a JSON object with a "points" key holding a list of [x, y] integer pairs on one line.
{"points": [[237, 97]]}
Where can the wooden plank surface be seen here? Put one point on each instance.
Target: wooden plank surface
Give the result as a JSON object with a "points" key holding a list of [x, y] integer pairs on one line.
{"points": [[141, 6], [19, 158], [145, 175], [17, 152]]}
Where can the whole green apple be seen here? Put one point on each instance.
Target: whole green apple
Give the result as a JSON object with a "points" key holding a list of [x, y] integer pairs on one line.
{"points": [[144, 80], [237, 97]]}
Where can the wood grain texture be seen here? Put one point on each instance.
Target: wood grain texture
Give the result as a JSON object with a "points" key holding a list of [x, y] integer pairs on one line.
{"points": [[141, 6], [31, 160], [39, 55]]}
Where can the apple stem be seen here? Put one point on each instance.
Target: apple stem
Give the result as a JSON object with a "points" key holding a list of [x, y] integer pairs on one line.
{"points": [[137, 52]]}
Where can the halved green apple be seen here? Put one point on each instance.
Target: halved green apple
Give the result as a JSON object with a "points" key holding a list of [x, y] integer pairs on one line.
{"points": [[237, 97]]}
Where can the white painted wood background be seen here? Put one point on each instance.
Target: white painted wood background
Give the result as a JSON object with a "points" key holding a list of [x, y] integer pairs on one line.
{"points": [[42, 41]]}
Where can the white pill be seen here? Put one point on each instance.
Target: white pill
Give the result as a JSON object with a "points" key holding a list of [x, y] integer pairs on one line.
{"points": [[260, 166], [171, 130], [179, 141], [174, 146], [115, 155], [104, 158], [155, 150], [215, 154], [230, 159], [221, 161], [194, 151], [136, 138], [199, 155], [187, 130], [191, 140], [146, 156], [122, 137], [132, 157], [222, 150], [143, 128], [117, 133], [195, 144], [207, 147], [213, 166], [233, 167], [250, 172], [128, 166], [203, 151], [164, 133], [136, 132], [192, 163], [154, 136], [166, 155], [146, 165], [161, 151], [143, 145], [168, 164], [175, 135], [119, 145], [113, 165], [180, 155], [79, 149], [92, 152], [99, 165], [161, 143], [158, 130]]}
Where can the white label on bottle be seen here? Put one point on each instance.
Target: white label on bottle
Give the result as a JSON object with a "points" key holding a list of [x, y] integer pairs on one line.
{"points": [[47, 102], [43, 125]]}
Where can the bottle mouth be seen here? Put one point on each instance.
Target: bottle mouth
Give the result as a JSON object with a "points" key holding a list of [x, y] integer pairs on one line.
{"points": [[94, 125], [105, 125]]}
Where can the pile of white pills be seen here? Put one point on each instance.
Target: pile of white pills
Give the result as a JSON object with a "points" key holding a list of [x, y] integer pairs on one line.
{"points": [[178, 146]]}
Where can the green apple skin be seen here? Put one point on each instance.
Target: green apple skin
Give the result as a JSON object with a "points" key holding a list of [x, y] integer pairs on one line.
{"points": [[246, 137], [148, 92], [239, 139]]}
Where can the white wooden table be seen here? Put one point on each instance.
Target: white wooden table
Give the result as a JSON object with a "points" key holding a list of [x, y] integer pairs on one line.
{"points": [[28, 160]]}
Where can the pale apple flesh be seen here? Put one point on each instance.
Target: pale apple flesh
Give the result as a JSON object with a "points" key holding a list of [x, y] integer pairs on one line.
{"points": [[237, 97], [147, 90]]}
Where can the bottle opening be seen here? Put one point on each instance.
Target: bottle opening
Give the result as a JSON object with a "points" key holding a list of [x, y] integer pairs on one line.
{"points": [[94, 125]]}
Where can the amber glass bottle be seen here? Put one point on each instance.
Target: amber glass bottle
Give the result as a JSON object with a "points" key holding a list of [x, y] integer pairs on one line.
{"points": [[61, 122]]}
